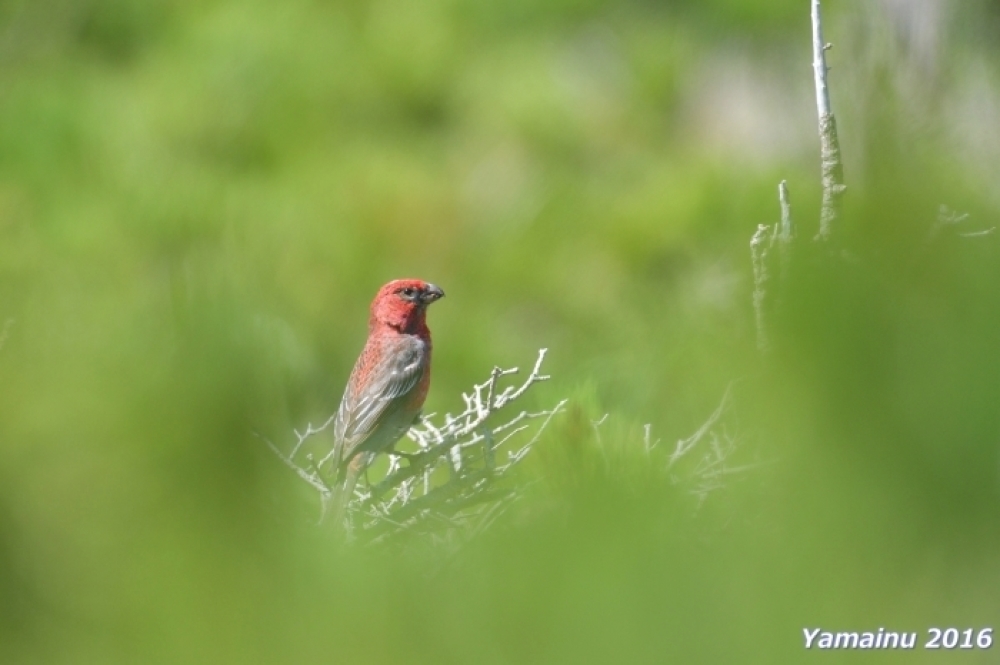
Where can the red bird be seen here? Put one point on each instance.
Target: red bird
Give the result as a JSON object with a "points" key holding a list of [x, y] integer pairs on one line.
{"points": [[388, 384]]}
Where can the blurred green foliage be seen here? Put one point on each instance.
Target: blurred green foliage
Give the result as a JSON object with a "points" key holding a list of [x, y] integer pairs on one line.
{"points": [[198, 200]]}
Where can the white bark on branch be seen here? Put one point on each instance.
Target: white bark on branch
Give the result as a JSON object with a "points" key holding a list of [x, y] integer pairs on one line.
{"points": [[415, 497], [760, 247], [832, 169]]}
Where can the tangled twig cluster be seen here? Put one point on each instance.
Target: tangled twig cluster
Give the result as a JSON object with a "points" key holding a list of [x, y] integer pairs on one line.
{"points": [[712, 466], [452, 480], [706, 455]]}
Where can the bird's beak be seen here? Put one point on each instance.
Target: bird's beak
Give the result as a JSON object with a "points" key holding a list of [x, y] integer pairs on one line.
{"points": [[431, 293]]}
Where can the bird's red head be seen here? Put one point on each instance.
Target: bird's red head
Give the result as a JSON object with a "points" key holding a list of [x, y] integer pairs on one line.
{"points": [[402, 304]]}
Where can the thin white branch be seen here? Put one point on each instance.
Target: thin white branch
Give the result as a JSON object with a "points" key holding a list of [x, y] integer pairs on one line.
{"points": [[819, 61], [831, 167], [408, 495], [310, 431], [685, 445], [760, 246], [787, 229], [534, 377], [326, 458], [315, 480], [978, 234], [478, 409], [786, 233], [538, 433]]}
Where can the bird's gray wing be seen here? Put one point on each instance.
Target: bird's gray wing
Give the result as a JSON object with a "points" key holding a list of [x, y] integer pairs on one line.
{"points": [[396, 370]]}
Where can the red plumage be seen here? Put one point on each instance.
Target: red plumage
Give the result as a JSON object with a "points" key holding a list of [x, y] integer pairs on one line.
{"points": [[388, 384]]}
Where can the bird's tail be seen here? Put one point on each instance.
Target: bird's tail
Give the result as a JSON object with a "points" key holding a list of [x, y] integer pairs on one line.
{"points": [[344, 490]]}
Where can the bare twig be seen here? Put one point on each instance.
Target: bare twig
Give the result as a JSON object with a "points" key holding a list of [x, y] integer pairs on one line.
{"points": [[685, 445], [312, 478], [947, 217], [519, 454], [760, 246], [310, 430], [413, 497], [819, 61], [647, 439], [832, 169], [978, 234], [786, 230]]}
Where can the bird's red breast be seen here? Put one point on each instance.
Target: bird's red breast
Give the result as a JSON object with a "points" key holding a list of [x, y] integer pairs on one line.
{"points": [[391, 377]]}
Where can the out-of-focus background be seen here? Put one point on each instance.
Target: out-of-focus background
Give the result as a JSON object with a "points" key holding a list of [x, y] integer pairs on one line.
{"points": [[199, 199]]}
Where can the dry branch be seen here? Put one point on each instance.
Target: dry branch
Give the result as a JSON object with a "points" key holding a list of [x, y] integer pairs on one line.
{"points": [[452, 481], [831, 167], [760, 247]]}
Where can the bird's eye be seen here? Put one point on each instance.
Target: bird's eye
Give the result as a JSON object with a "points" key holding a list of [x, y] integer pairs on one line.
{"points": [[409, 292]]}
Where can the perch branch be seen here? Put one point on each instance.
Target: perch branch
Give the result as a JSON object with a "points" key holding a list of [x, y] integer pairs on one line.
{"points": [[414, 497]]}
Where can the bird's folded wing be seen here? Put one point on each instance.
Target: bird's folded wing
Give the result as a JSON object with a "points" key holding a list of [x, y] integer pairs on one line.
{"points": [[397, 368]]}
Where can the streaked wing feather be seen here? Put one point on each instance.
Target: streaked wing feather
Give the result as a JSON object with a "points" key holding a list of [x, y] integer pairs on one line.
{"points": [[360, 414]]}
